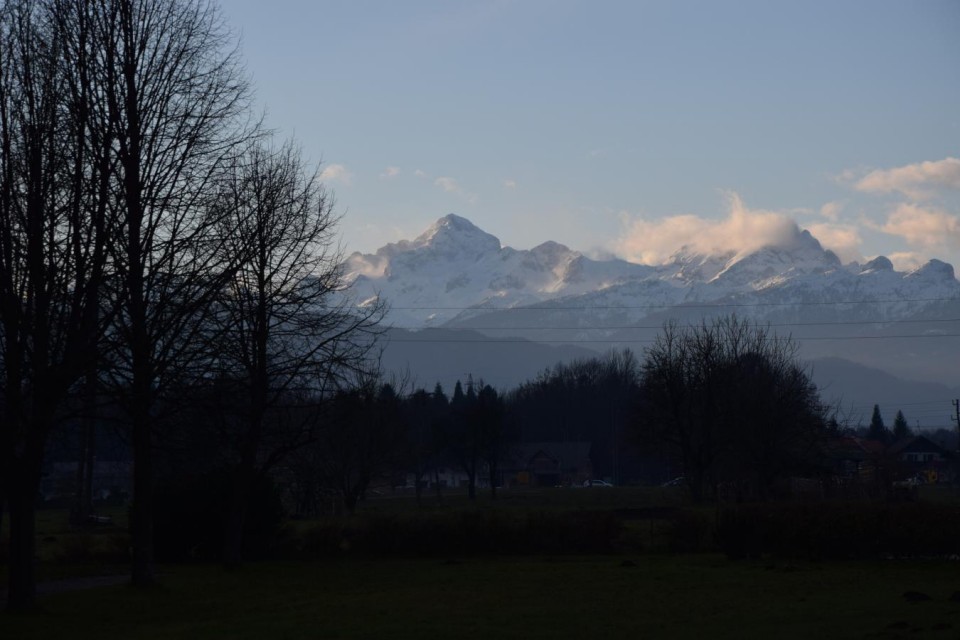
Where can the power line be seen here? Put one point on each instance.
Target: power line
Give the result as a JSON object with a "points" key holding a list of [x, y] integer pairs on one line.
{"points": [[651, 341], [904, 404], [824, 323], [681, 305]]}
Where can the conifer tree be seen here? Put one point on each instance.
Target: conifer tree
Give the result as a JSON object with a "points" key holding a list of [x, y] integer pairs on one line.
{"points": [[878, 430], [900, 428]]}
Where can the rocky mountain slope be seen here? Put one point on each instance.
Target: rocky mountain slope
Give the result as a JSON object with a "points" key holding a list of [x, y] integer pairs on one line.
{"points": [[455, 275]]}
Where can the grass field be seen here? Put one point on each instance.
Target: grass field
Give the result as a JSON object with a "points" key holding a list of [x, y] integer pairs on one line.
{"points": [[657, 596], [648, 595]]}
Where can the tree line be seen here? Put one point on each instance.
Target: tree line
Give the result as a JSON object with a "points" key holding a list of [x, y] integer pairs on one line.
{"points": [[153, 238], [724, 403]]}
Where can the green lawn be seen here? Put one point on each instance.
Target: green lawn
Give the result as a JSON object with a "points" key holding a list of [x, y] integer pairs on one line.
{"points": [[648, 595], [656, 596]]}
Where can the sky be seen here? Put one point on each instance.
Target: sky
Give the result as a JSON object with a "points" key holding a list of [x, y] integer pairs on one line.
{"points": [[624, 128]]}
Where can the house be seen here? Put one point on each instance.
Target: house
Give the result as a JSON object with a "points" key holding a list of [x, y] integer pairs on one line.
{"points": [[112, 479], [864, 468], [547, 464], [923, 460], [533, 464], [854, 459]]}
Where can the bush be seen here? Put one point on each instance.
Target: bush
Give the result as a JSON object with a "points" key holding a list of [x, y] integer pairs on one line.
{"points": [[89, 548], [839, 531], [686, 531], [468, 533], [190, 517]]}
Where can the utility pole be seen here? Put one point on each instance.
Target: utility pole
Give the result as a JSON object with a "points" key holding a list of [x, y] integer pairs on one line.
{"points": [[956, 418]]}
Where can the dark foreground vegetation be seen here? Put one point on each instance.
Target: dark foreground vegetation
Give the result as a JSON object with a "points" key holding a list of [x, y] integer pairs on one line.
{"points": [[553, 563], [647, 596]]}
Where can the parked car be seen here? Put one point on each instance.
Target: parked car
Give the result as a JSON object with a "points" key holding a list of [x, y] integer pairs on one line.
{"points": [[596, 483]]}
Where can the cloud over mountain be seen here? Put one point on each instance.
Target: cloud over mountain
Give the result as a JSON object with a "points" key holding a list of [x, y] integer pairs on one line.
{"points": [[741, 230], [925, 227]]}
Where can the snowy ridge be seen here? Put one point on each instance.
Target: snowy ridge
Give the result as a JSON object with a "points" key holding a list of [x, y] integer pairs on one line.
{"points": [[454, 266], [454, 274]]}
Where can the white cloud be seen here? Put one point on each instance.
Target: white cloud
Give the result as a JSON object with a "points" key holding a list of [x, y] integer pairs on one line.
{"points": [[450, 185], [510, 184], [743, 229], [420, 173], [337, 173], [390, 172], [843, 239], [926, 227], [907, 260], [831, 210], [913, 180]]}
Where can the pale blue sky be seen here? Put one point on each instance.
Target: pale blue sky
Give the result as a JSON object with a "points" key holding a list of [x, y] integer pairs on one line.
{"points": [[598, 123]]}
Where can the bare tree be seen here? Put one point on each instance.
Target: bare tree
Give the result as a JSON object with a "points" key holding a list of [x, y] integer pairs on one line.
{"points": [[54, 224], [178, 99], [286, 321], [495, 440], [731, 402], [359, 441]]}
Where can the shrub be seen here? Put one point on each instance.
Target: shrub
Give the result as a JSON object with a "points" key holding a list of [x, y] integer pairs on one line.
{"points": [[190, 517], [686, 531], [467, 533], [839, 531], [99, 548]]}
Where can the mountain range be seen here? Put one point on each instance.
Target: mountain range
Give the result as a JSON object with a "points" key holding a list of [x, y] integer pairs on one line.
{"points": [[455, 276]]}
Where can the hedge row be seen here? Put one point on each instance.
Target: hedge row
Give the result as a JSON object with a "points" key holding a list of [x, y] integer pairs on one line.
{"points": [[839, 531], [465, 533]]}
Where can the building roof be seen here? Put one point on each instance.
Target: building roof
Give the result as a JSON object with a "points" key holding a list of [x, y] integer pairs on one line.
{"points": [[567, 455], [852, 448], [917, 444]]}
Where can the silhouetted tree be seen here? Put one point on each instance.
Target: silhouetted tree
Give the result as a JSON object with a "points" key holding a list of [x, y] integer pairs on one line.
{"points": [[440, 412], [585, 400], [55, 226], [901, 429], [360, 440], [493, 435], [284, 321], [179, 102], [463, 434], [421, 426], [878, 431], [729, 400]]}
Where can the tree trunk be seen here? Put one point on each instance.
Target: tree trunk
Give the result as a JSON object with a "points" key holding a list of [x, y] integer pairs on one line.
{"points": [[236, 519], [243, 480], [418, 486], [83, 507], [22, 587], [141, 521], [350, 500], [3, 505]]}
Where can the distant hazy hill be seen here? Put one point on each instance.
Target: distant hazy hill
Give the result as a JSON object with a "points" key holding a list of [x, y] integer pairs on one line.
{"points": [[445, 356], [441, 355], [856, 388]]}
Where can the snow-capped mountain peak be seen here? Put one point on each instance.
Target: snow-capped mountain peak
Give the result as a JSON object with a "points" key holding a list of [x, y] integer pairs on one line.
{"points": [[934, 271], [880, 263], [455, 271], [452, 236]]}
